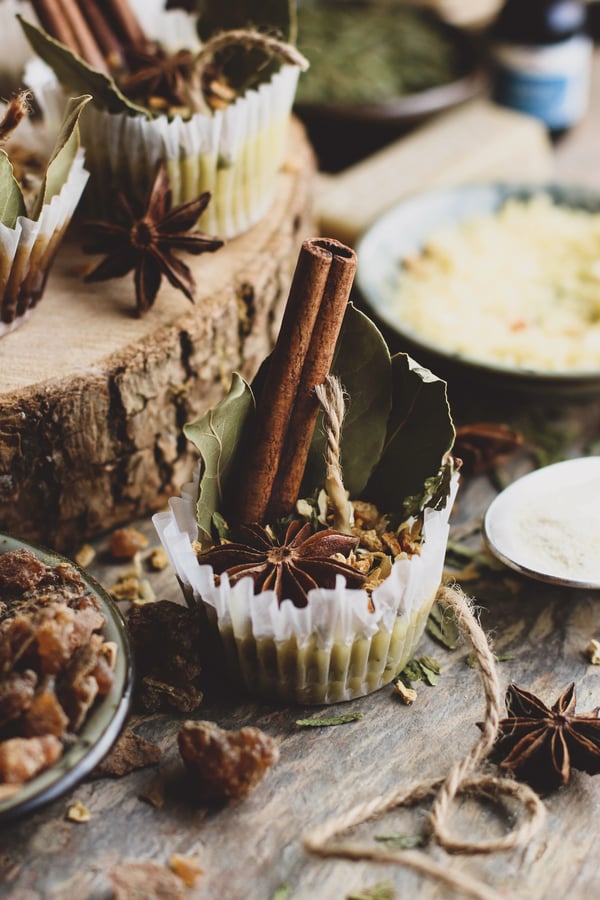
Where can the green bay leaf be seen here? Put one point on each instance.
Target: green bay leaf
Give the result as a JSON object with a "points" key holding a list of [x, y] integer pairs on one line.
{"points": [[420, 433], [362, 363], [63, 154], [217, 435], [75, 74], [12, 204]]}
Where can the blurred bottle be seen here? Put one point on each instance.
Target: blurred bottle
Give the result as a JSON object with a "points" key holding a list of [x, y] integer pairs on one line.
{"points": [[542, 57]]}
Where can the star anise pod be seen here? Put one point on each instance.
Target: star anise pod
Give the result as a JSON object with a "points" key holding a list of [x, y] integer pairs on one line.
{"points": [[145, 243], [301, 562], [158, 74], [483, 445], [541, 744]]}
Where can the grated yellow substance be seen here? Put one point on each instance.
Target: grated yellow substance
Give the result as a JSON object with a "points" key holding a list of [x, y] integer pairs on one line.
{"points": [[519, 287]]}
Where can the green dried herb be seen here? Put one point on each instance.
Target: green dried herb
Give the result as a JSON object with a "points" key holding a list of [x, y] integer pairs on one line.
{"points": [[390, 52], [402, 841], [459, 554], [282, 892], [471, 658], [423, 668], [317, 722], [383, 890], [442, 626]]}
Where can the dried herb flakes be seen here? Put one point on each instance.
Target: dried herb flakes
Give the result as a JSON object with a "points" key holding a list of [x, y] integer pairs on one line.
{"points": [[401, 841], [327, 721], [383, 890]]}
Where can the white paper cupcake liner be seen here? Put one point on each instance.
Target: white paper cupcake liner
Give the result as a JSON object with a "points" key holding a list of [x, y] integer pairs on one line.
{"points": [[27, 250], [331, 650], [234, 153]]}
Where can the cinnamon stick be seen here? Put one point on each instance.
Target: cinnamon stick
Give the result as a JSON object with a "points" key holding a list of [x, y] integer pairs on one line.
{"points": [[287, 406], [275, 404], [319, 357], [125, 23], [53, 20], [62, 19], [109, 43], [88, 48]]}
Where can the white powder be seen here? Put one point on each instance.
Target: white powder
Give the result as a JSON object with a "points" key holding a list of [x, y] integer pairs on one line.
{"points": [[560, 534]]}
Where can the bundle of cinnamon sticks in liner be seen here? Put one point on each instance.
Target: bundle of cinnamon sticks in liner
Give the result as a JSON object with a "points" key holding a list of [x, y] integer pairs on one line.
{"points": [[98, 31], [287, 406]]}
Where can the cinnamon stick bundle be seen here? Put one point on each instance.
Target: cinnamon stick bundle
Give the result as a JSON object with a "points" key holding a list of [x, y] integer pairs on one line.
{"points": [[287, 406], [97, 30]]}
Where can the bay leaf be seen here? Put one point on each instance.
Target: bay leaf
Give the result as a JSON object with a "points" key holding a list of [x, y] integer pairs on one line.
{"points": [[12, 204], [420, 433], [75, 74], [63, 154], [217, 436], [362, 363]]}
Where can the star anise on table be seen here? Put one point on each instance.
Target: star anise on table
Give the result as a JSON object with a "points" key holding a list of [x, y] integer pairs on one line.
{"points": [[292, 568], [145, 243], [541, 744], [157, 75]]}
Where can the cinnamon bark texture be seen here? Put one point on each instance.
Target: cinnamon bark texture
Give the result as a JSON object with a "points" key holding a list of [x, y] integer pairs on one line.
{"points": [[287, 406], [96, 31]]}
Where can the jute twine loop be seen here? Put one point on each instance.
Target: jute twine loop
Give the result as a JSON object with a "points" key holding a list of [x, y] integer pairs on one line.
{"points": [[331, 397], [250, 40], [460, 780]]}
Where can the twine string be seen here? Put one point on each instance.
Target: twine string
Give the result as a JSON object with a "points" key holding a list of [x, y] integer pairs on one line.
{"points": [[330, 395], [460, 779]]}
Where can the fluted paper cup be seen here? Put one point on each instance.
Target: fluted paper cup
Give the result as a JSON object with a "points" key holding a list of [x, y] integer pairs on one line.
{"points": [[28, 249], [235, 153], [336, 648]]}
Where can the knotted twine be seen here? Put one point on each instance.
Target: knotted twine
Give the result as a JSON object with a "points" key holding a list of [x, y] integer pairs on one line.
{"points": [[462, 778]]}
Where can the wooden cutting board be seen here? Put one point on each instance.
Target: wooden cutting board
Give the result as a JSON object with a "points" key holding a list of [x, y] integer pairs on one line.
{"points": [[93, 400]]}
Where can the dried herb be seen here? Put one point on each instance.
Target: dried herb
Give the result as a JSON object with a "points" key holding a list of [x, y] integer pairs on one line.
{"points": [[484, 445], [407, 694], [471, 658], [302, 561], [442, 626], [145, 243], [401, 52], [541, 744], [327, 721], [423, 668], [402, 841], [282, 892], [131, 752], [383, 890]]}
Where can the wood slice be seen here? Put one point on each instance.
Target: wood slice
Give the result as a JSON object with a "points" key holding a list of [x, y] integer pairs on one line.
{"points": [[93, 399]]}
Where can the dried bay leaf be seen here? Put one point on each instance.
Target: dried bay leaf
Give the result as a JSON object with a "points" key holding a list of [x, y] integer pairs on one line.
{"points": [[420, 433], [362, 363], [12, 204], [63, 154], [442, 626], [217, 436], [77, 75]]}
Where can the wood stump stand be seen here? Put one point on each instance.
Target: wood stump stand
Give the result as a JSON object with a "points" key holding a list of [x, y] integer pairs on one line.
{"points": [[93, 399]]}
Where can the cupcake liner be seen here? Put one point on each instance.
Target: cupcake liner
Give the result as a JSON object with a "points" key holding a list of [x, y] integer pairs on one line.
{"points": [[27, 250], [234, 153], [333, 649]]}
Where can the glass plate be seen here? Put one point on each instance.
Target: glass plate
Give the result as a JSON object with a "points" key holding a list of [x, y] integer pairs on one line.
{"points": [[104, 720]]}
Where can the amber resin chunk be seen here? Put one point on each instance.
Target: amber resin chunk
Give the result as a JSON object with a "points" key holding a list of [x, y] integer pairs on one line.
{"points": [[54, 662], [222, 764]]}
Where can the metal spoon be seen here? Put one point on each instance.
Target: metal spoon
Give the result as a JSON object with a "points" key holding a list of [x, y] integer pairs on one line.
{"points": [[547, 524]]}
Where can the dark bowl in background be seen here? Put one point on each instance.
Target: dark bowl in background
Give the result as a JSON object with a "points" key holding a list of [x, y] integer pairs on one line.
{"points": [[342, 134]]}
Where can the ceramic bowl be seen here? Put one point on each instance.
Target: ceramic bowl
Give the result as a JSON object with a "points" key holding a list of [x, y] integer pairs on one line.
{"points": [[401, 233], [105, 719]]}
